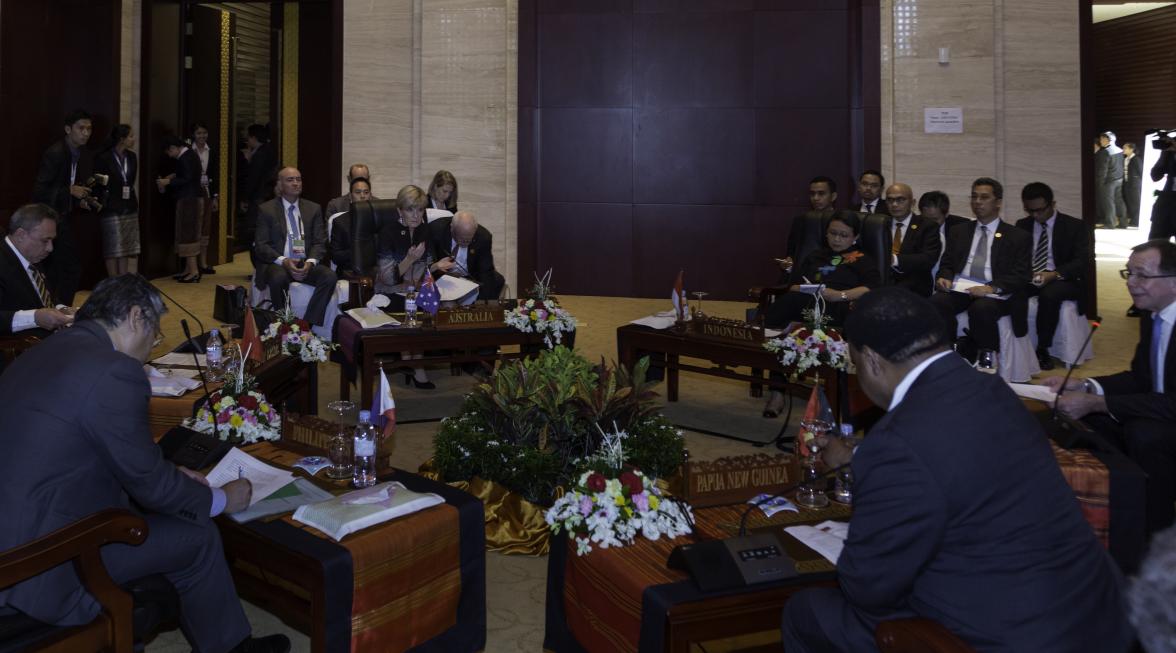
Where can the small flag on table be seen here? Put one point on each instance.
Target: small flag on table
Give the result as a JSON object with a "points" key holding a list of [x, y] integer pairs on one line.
{"points": [[428, 299], [678, 297], [818, 408], [384, 407], [251, 339]]}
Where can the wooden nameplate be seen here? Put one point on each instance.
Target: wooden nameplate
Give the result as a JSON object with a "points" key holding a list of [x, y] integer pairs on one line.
{"points": [[712, 328], [738, 478], [474, 317]]}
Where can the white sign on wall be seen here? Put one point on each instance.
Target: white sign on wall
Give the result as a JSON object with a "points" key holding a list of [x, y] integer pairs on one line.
{"points": [[943, 120]]}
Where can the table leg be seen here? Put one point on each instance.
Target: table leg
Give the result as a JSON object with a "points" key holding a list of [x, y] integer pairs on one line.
{"points": [[366, 376], [671, 377], [757, 389]]}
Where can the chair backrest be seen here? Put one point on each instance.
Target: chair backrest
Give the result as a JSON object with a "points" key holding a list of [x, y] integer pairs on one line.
{"points": [[807, 234], [875, 241], [366, 220]]}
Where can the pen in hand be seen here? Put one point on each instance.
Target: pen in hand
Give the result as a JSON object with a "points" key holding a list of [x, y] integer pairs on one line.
{"points": [[240, 472]]}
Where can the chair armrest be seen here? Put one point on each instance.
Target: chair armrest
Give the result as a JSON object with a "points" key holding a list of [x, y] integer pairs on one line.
{"points": [[917, 635], [15, 344]]}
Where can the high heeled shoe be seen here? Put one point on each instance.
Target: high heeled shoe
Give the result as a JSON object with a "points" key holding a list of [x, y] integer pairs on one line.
{"points": [[190, 279]]}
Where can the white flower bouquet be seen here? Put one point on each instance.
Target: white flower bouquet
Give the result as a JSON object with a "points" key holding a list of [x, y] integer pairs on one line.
{"points": [[807, 347]]}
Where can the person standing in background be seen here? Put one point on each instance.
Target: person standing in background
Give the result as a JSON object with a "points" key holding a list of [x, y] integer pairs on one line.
{"points": [[120, 212], [208, 190], [1108, 183], [185, 186], [256, 184], [1132, 183]]}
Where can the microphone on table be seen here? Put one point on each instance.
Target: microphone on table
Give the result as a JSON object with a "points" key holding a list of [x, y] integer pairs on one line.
{"points": [[180, 306], [1094, 325], [741, 560]]}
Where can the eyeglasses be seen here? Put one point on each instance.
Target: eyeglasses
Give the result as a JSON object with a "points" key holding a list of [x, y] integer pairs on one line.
{"points": [[1128, 274]]}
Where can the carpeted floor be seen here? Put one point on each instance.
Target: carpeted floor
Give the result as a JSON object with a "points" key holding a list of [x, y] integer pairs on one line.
{"points": [[515, 587]]}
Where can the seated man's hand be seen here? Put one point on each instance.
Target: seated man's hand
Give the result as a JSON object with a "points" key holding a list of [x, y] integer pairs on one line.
{"points": [[785, 263], [445, 265], [1080, 404], [237, 495], [943, 284], [836, 452], [52, 318], [1055, 382], [980, 291], [79, 192], [1047, 277]]}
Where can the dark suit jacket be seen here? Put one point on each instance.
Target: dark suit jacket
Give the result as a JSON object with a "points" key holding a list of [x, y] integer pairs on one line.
{"points": [[917, 255], [880, 207], [1130, 395], [269, 241], [1134, 178], [52, 183], [260, 170], [1011, 249], [17, 292], [1070, 245], [213, 172], [186, 183], [961, 514], [76, 441], [479, 259], [112, 201]]}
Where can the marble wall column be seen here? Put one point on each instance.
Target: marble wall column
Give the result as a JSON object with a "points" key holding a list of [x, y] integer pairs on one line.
{"points": [[1014, 70], [429, 85]]}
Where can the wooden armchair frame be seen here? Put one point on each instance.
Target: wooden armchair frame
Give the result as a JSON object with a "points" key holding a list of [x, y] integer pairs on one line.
{"points": [[917, 635]]}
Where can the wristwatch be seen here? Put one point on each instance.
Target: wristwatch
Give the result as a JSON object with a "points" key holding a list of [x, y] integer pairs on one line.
{"points": [[844, 297]]}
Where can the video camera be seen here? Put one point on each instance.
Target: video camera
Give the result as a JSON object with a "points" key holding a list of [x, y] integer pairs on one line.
{"points": [[1164, 138]]}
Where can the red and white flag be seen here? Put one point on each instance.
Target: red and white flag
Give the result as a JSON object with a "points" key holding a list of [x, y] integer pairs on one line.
{"points": [[678, 297], [384, 407], [251, 339]]}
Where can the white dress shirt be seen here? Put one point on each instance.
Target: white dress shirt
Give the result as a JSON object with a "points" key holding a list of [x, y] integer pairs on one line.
{"points": [[992, 226], [286, 250], [1168, 315], [907, 381]]}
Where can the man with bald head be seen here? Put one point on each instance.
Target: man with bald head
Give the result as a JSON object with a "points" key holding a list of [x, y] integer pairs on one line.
{"points": [[343, 202], [463, 248], [290, 240], [915, 245]]}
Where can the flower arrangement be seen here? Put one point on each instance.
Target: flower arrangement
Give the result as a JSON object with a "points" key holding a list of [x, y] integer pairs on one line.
{"points": [[238, 413], [610, 505], [296, 339], [541, 314], [807, 346]]}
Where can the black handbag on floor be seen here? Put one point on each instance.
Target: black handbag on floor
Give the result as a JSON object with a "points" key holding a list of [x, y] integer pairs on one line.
{"points": [[228, 305]]}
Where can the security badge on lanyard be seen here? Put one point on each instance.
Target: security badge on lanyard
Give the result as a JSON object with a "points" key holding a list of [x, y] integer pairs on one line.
{"points": [[122, 168], [297, 242]]}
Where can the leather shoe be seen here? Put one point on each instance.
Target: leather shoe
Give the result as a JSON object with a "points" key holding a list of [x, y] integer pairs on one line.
{"points": [[268, 644], [208, 270], [1044, 359]]}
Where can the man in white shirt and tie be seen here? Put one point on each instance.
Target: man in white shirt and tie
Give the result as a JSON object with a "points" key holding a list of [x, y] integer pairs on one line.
{"points": [[994, 256], [935, 207], [869, 188], [291, 239], [1137, 408], [26, 303]]}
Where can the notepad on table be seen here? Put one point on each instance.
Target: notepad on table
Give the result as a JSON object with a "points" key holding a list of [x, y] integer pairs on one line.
{"points": [[357, 510]]}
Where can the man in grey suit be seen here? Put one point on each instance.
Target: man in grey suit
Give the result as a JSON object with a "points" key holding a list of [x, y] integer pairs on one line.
{"points": [[1108, 183], [961, 514], [76, 441], [291, 239]]}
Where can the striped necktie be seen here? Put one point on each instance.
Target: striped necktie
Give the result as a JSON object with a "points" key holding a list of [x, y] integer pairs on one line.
{"points": [[1041, 254], [42, 288]]}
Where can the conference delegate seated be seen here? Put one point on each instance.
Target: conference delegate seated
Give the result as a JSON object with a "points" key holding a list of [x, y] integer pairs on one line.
{"points": [[403, 261], [461, 247], [961, 514], [26, 304], [339, 232], [842, 267]]}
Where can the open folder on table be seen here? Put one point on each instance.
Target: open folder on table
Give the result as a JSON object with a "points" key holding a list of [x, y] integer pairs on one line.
{"points": [[454, 288], [266, 479]]}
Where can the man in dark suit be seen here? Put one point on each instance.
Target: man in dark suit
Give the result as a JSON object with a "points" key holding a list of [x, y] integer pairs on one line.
{"points": [[869, 189], [994, 255], [802, 239], [291, 239], [26, 301], [935, 207], [1163, 216], [914, 242], [463, 248], [975, 529], [1108, 183], [1137, 408], [76, 441], [1060, 253], [343, 203], [61, 180], [1132, 183], [256, 181]]}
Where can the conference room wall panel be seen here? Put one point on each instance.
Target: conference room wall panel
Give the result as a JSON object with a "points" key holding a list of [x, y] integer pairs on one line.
{"points": [[586, 60], [585, 240], [731, 108], [586, 155], [799, 144], [676, 63]]}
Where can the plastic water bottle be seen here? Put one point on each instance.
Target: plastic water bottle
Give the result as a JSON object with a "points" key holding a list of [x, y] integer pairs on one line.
{"points": [[410, 307], [363, 473], [212, 355], [843, 485]]}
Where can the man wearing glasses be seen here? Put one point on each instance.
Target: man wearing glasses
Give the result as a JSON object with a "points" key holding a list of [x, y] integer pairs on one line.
{"points": [[1138, 407]]}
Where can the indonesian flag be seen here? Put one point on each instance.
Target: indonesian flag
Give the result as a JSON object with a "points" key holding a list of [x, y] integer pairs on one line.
{"points": [[250, 339], [384, 407], [678, 297]]}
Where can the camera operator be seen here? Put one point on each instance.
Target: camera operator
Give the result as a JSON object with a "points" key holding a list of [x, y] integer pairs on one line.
{"points": [[65, 182], [1163, 218]]}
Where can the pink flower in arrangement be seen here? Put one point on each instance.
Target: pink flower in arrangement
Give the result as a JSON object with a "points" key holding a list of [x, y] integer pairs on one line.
{"points": [[585, 506], [541, 314], [641, 501]]}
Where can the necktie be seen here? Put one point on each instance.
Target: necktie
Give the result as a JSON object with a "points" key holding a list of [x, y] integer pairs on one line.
{"points": [[896, 244], [42, 289], [1041, 254], [295, 231], [980, 256], [1157, 364]]}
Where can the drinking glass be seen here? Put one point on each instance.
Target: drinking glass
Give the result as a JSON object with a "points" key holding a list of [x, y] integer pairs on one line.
{"points": [[339, 447], [698, 295], [843, 486], [987, 361], [812, 432]]}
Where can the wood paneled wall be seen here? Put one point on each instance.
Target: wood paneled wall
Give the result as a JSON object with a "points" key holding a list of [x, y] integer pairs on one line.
{"points": [[655, 136], [1134, 61]]}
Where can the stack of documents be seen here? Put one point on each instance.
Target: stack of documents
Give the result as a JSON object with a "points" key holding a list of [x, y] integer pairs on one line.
{"points": [[266, 479], [170, 383], [287, 499], [358, 510], [826, 538]]}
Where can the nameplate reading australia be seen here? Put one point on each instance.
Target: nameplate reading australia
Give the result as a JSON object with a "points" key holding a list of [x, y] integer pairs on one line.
{"points": [[473, 318], [726, 330], [738, 478]]}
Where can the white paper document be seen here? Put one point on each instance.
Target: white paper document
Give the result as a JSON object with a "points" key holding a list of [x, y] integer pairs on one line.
{"points": [[655, 321], [962, 285], [826, 538], [175, 358], [454, 288], [303, 492], [357, 510], [434, 214], [266, 479], [371, 318], [1034, 391]]}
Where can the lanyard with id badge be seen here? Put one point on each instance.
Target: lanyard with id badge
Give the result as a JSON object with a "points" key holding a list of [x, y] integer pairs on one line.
{"points": [[122, 169], [297, 242]]}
